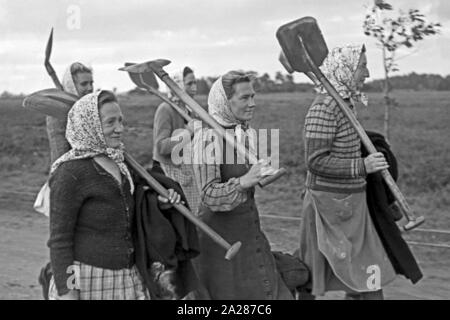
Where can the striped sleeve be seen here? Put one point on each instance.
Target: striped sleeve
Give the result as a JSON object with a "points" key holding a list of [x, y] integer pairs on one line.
{"points": [[320, 131], [215, 194]]}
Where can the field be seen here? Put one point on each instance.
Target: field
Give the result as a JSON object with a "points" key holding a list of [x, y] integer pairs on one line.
{"points": [[420, 140]]}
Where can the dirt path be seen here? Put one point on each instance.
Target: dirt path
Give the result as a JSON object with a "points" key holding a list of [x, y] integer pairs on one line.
{"points": [[434, 263], [23, 236], [23, 251]]}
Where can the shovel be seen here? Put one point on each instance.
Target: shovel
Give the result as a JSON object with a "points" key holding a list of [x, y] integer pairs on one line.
{"points": [[156, 66], [147, 81], [48, 65], [305, 50], [57, 103]]}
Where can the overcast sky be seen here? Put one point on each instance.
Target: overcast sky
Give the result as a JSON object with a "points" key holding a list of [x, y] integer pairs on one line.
{"points": [[210, 36]]}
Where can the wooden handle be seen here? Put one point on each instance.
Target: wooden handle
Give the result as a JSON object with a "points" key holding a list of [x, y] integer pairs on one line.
{"points": [[181, 112], [269, 179], [231, 249]]}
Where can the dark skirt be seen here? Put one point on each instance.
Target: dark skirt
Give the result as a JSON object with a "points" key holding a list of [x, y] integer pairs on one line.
{"points": [[252, 273]]}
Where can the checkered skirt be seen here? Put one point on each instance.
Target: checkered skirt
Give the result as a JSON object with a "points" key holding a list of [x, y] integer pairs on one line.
{"points": [[104, 284], [184, 175]]}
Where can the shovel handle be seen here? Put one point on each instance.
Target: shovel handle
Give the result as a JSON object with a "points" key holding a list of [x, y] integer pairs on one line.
{"points": [[182, 113], [413, 221], [232, 250], [269, 179]]}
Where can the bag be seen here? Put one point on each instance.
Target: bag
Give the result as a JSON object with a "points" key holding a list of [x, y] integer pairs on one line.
{"points": [[42, 202], [294, 272]]}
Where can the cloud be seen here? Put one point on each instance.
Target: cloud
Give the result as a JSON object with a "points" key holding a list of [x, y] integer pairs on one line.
{"points": [[211, 36]]}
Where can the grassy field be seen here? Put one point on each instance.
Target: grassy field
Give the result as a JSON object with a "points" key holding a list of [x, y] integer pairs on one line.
{"points": [[420, 140]]}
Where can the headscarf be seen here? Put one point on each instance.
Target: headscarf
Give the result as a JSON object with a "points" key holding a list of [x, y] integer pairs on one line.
{"points": [[68, 83], [219, 107], [339, 68], [85, 135], [179, 80]]}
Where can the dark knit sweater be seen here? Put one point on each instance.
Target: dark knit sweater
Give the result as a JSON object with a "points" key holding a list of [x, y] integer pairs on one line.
{"points": [[332, 149], [90, 219]]}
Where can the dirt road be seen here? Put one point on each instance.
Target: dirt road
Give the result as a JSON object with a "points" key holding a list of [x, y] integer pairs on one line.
{"points": [[23, 236]]}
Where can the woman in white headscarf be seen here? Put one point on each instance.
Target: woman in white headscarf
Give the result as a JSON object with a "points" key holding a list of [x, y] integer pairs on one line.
{"points": [[228, 203], [92, 208], [338, 240], [78, 81], [167, 125]]}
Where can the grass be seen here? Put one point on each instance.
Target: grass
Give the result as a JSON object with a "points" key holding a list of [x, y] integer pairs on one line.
{"points": [[420, 138]]}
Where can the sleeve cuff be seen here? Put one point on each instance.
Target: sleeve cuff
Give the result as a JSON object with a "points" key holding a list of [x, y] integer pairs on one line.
{"points": [[361, 168], [239, 187]]}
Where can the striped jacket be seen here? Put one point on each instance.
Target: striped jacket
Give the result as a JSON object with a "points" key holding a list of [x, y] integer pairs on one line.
{"points": [[332, 150]]}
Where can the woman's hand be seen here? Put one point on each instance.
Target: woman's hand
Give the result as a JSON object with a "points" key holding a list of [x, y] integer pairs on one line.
{"points": [[166, 203], [375, 162], [255, 174]]}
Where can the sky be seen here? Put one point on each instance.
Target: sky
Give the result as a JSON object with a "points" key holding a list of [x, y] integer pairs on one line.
{"points": [[210, 36]]}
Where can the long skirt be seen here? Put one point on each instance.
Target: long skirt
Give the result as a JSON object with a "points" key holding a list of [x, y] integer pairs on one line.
{"points": [[104, 284], [339, 243], [252, 274]]}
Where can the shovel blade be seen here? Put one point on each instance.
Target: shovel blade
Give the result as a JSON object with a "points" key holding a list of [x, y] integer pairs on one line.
{"points": [[144, 79], [48, 48], [52, 102], [282, 58], [152, 65], [308, 30]]}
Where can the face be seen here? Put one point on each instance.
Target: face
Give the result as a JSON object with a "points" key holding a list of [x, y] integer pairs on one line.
{"points": [[361, 73], [111, 118], [242, 103], [84, 83], [190, 85]]}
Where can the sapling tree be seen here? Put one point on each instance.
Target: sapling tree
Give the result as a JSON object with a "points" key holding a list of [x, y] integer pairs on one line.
{"points": [[393, 31]]}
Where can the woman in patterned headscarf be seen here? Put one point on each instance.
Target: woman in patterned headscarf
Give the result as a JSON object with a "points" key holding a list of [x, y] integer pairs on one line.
{"points": [[78, 81], [338, 240], [167, 125], [228, 203], [92, 208]]}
